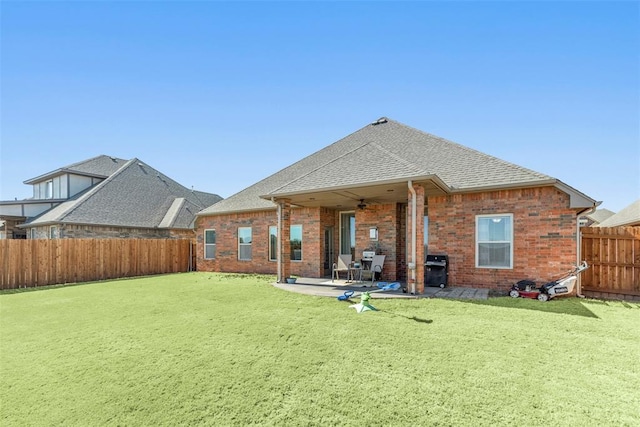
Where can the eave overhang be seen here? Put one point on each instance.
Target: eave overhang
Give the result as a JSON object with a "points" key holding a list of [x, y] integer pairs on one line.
{"points": [[372, 192]]}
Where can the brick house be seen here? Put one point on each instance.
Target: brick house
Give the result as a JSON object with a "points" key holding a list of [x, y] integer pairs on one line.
{"points": [[104, 197], [403, 193]]}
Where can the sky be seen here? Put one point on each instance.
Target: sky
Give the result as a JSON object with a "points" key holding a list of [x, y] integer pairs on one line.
{"points": [[219, 95]]}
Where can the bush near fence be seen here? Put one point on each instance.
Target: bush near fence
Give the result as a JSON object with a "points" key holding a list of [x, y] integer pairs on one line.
{"points": [[614, 256], [40, 262]]}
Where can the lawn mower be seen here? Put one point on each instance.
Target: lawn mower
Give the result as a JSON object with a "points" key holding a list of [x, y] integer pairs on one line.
{"points": [[561, 286]]}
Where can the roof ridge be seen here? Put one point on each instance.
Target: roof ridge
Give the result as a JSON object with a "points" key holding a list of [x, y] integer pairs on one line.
{"points": [[171, 215], [335, 159], [469, 149], [95, 189], [85, 161], [398, 158]]}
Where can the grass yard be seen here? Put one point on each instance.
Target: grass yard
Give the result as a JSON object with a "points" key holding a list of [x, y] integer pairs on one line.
{"points": [[214, 349]]}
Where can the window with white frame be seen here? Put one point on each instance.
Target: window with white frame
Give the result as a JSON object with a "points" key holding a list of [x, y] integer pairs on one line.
{"points": [[209, 244], [48, 192], [53, 232], [244, 243], [32, 233], [494, 241], [273, 243], [296, 242]]}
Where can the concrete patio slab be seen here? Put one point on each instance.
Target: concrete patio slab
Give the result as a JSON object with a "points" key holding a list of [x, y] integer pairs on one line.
{"points": [[327, 288]]}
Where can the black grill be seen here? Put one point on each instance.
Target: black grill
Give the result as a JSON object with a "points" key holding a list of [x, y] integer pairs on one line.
{"points": [[436, 270]]}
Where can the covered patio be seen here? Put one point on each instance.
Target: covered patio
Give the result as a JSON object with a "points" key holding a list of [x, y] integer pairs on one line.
{"points": [[326, 288], [388, 217]]}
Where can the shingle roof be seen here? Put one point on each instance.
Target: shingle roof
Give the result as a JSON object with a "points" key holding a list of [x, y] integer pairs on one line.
{"points": [[136, 195], [627, 216], [381, 151], [600, 215], [99, 166]]}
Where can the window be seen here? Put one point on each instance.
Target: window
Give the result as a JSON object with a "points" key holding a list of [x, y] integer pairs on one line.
{"points": [[209, 244], [348, 233], [32, 233], [296, 242], [48, 192], [244, 243], [53, 232], [273, 243], [494, 241]]}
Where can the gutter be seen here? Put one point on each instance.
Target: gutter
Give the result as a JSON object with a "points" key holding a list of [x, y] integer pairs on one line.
{"points": [[435, 179]]}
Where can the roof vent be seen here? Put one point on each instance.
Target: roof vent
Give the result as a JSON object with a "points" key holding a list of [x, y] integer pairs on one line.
{"points": [[380, 121]]}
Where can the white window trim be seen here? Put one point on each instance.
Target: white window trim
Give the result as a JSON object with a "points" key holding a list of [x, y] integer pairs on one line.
{"points": [[245, 244], [477, 248], [215, 245], [53, 229]]}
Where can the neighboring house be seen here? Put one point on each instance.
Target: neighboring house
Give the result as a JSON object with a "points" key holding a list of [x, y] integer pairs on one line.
{"points": [[105, 197], [401, 192], [628, 217], [595, 218]]}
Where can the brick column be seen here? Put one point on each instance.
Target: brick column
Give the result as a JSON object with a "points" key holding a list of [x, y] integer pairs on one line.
{"points": [[419, 260], [284, 245]]}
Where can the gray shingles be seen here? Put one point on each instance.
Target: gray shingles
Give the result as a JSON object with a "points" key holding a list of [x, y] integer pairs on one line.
{"points": [[136, 195], [99, 166], [630, 215], [381, 152]]}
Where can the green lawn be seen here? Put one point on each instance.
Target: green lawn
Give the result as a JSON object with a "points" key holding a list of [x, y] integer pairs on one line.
{"points": [[212, 349]]}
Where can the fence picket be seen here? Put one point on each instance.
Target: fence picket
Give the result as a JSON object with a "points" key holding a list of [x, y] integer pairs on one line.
{"points": [[614, 256], [40, 262]]}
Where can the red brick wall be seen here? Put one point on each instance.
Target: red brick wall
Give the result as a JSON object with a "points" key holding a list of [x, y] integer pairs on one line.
{"points": [[226, 227], [544, 235], [385, 218], [328, 218], [313, 221], [311, 264]]}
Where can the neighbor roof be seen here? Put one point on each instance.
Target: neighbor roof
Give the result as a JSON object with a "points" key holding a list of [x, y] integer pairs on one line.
{"points": [[627, 216], [135, 195], [386, 151], [100, 166], [600, 215]]}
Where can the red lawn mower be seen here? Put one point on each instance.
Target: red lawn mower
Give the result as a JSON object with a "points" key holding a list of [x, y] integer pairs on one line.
{"points": [[562, 286]]}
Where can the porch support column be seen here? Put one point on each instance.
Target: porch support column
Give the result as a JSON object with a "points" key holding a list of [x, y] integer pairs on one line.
{"points": [[415, 237], [284, 245]]}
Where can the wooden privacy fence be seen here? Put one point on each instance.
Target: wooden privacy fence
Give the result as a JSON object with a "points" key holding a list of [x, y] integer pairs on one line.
{"points": [[39, 262], [614, 256]]}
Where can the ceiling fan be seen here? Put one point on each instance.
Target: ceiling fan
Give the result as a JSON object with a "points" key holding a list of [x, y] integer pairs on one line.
{"points": [[362, 205]]}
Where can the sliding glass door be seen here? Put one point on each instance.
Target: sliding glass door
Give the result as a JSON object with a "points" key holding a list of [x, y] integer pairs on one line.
{"points": [[348, 234]]}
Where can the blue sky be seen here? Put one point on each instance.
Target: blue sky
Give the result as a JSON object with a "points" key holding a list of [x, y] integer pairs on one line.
{"points": [[218, 95]]}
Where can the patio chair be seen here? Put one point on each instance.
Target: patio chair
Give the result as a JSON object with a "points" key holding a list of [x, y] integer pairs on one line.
{"points": [[344, 264], [376, 268]]}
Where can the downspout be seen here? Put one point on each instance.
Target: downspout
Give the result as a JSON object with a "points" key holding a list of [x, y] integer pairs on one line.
{"points": [[412, 262], [579, 244]]}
